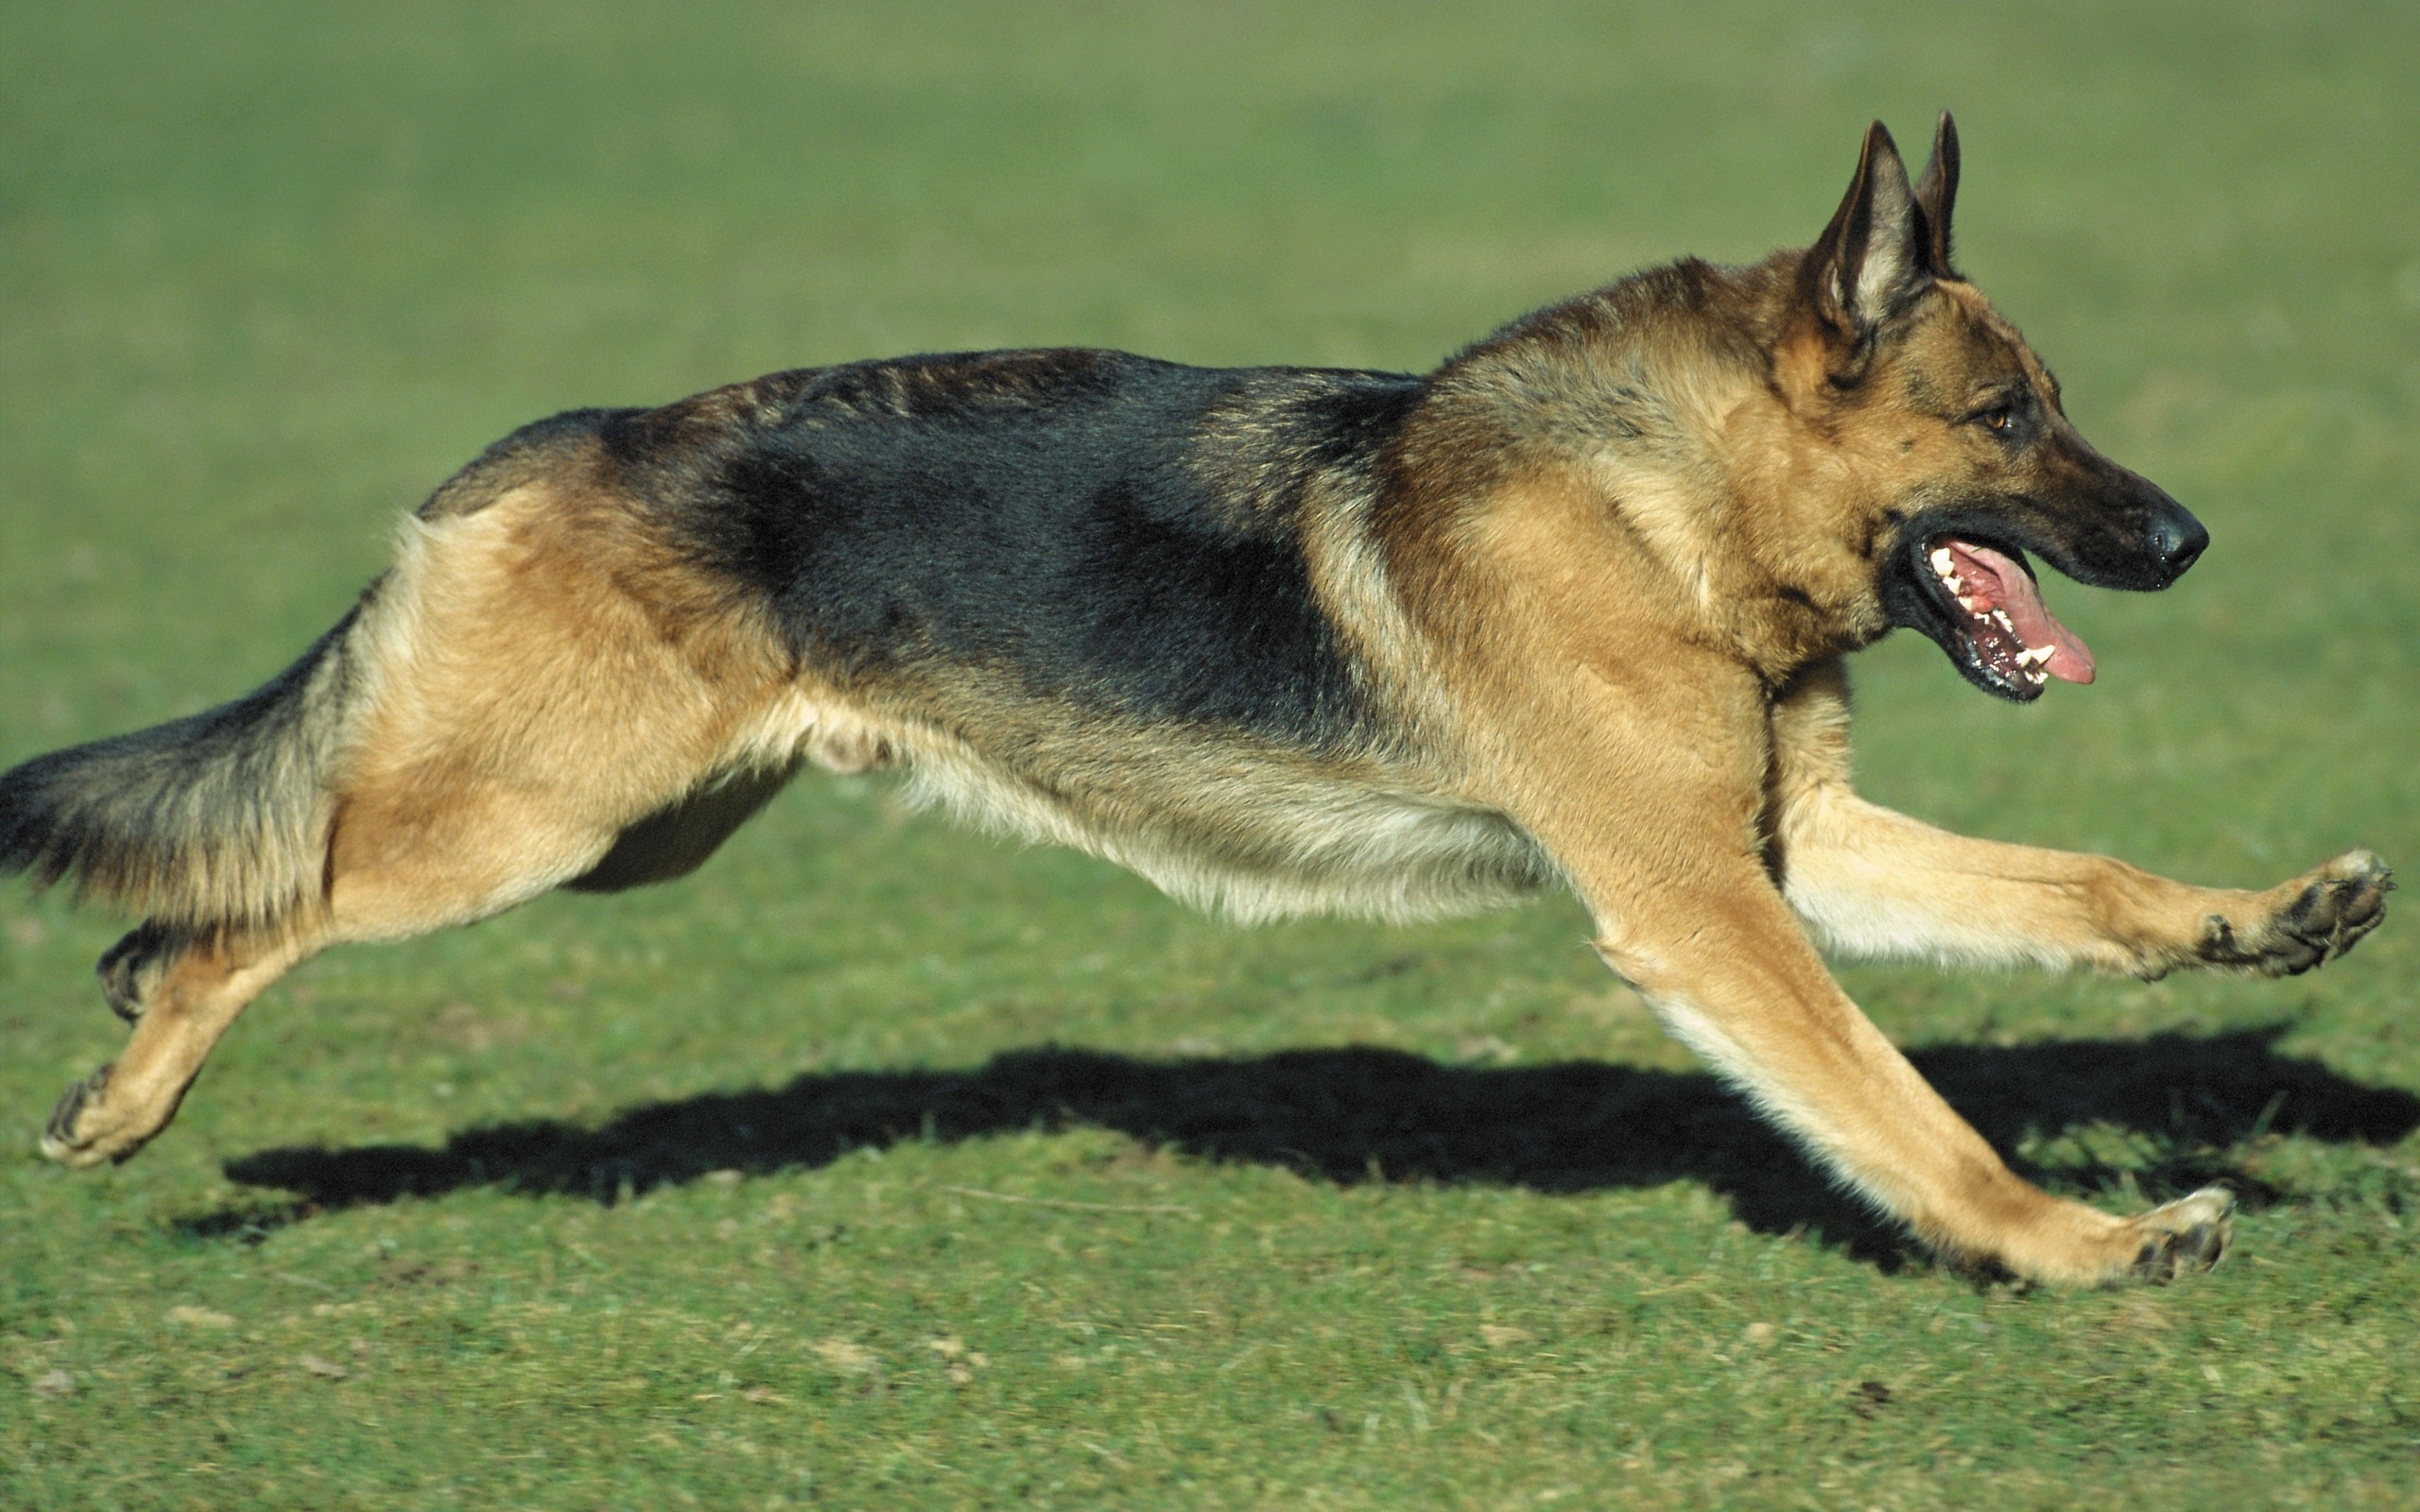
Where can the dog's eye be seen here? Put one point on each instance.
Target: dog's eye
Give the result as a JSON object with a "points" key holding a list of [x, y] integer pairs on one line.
{"points": [[2000, 420]]}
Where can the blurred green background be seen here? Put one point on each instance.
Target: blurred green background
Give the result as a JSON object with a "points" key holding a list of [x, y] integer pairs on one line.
{"points": [[769, 1224]]}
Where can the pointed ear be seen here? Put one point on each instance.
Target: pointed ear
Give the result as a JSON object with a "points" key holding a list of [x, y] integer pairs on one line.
{"points": [[1937, 196], [1870, 259]]}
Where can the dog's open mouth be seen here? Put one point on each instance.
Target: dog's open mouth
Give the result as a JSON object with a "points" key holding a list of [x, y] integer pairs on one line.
{"points": [[2009, 633]]}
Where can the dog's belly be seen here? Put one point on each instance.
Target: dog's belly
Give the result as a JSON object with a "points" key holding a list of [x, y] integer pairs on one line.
{"points": [[1253, 840], [1241, 828]]}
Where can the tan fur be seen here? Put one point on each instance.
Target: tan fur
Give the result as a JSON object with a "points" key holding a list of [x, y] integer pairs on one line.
{"points": [[110, 1113], [528, 639]]}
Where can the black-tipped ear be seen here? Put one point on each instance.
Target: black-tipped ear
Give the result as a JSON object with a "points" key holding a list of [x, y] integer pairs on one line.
{"points": [[1937, 196], [1870, 261]]}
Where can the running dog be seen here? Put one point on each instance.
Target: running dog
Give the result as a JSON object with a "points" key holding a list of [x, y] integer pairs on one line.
{"points": [[1570, 609]]}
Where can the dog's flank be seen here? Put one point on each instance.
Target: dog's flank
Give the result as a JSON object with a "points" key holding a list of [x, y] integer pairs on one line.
{"points": [[1571, 608]]}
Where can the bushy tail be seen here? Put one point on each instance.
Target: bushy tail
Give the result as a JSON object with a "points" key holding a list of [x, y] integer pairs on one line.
{"points": [[219, 819]]}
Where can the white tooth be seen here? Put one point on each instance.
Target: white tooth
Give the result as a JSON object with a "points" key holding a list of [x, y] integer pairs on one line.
{"points": [[2035, 654], [1954, 583], [1941, 560], [2037, 678], [1972, 606], [2000, 616]]}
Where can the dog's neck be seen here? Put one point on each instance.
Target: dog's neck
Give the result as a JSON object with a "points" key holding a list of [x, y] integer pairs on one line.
{"points": [[1654, 402]]}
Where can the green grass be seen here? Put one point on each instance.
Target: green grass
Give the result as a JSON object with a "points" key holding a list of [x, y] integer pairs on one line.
{"points": [[866, 1169]]}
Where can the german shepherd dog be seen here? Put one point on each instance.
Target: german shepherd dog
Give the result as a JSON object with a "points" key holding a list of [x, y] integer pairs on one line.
{"points": [[1570, 609]]}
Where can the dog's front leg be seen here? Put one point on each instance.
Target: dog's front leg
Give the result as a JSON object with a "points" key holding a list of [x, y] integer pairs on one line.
{"points": [[1712, 946], [1657, 828], [1875, 883]]}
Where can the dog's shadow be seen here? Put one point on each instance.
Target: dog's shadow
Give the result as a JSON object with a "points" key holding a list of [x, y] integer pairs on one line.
{"points": [[2184, 1107]]}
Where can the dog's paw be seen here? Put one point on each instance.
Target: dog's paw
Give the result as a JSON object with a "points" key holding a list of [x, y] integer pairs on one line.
{"points": [[131, 969], [2316, 919], [2183, 1237], [89, 1126], [64, 1139]]}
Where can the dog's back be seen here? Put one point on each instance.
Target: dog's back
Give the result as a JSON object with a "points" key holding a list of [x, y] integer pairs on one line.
{"points": [[1089, 526]]}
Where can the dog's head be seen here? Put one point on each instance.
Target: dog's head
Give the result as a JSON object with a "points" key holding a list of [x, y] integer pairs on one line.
{"points": [[1959, 460]]}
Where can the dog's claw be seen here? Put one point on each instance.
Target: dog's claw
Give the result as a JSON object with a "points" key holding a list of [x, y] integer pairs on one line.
{"points": [[2343, 902], [119, 971], [60, 1139], [131, 968], [2185, 1236]]}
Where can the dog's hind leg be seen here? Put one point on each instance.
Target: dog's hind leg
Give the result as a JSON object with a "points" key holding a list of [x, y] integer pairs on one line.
{"points": [[414, 852], [180, 990], [568, 702], [406, 857], [536, 683], [1875, 883]]}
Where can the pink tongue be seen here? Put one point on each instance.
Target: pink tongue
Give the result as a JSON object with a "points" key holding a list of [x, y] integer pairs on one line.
{"points": [[2070, 658]]}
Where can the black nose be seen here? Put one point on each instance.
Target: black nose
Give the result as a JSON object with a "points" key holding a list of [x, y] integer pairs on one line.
{"points": [[2178, 539]]}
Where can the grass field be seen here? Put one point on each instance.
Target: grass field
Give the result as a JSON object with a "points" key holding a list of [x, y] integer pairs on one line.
{"points": [[883, 1166]]}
